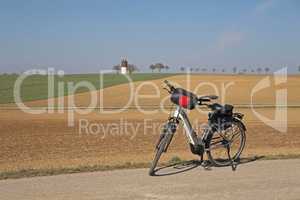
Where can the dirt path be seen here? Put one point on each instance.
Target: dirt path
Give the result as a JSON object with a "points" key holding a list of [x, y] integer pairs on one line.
{"points": [[276, 179]]}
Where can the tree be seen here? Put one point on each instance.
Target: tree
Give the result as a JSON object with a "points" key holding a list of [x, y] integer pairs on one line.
{"points": [[267, 69], [167, 67], [182, 69], [204, 69], [132, 68], [223, 70], [158, 66], [117, 68], [259, 70], [234, 70], [152, 67], [214, 70], [299, 68]]}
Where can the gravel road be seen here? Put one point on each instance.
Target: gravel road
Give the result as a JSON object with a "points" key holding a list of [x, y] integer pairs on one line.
{"points": [[268, 179]]}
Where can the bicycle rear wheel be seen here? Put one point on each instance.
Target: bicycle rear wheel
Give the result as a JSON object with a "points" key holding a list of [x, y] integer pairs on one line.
{"points": [[233, 138]]}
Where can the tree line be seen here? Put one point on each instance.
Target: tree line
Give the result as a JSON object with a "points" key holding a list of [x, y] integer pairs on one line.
{"points": [[234, 70], [133, 68], [159, 67]]}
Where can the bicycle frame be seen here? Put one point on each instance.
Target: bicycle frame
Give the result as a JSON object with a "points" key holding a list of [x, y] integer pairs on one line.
{"points": [[191, 135]]}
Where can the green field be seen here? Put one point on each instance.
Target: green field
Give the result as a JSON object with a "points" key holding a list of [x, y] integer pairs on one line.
{"points": [[35, 87]]}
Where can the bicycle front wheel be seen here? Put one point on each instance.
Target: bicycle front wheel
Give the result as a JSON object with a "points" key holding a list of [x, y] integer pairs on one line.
{"points": [[162, 145], [159, 151]]}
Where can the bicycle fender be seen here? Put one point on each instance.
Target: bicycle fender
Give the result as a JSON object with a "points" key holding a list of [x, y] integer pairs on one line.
{"points": [[239, 121]]}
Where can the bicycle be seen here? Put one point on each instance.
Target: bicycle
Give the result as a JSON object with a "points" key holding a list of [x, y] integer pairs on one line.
{"points": [[218, 139]]}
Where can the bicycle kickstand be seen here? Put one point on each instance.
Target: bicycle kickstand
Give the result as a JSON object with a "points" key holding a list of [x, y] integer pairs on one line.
{"points": [[233, 164]]}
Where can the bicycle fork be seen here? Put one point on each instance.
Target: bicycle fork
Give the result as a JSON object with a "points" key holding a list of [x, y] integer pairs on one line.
{"points": [[168, 131]]}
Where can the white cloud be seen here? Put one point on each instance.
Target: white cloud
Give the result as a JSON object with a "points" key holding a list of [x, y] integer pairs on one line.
{"points": [[230, 39], [264, 5]]}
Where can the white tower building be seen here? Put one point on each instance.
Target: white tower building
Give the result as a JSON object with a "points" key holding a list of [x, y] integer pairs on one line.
{"points": [[124, 66]]}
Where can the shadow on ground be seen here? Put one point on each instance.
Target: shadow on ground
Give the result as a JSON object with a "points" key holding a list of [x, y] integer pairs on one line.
{"points": [[185, 166]]}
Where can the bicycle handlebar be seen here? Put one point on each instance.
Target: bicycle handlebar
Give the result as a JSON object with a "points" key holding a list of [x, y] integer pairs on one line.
{"points": [[171, 87], [204, 100], [200, 100]]}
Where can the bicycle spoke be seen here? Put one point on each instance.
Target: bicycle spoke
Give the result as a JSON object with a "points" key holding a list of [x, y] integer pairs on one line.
{"points": [[234, 138], [214, 146]]}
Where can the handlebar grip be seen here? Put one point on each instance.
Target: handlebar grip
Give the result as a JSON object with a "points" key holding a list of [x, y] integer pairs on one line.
{"points": [[201, 101], [205, 100], [169, 85]]}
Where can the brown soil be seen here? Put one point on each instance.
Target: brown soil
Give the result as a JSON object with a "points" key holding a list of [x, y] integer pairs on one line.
{"points": [[45, 141]]}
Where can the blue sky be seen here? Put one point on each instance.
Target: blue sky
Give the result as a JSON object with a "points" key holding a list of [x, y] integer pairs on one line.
{"points": [[86, 36]]}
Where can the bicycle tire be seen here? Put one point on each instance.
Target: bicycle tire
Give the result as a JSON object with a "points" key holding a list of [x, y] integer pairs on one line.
{"points": [[226, 162], [160, 149]]}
